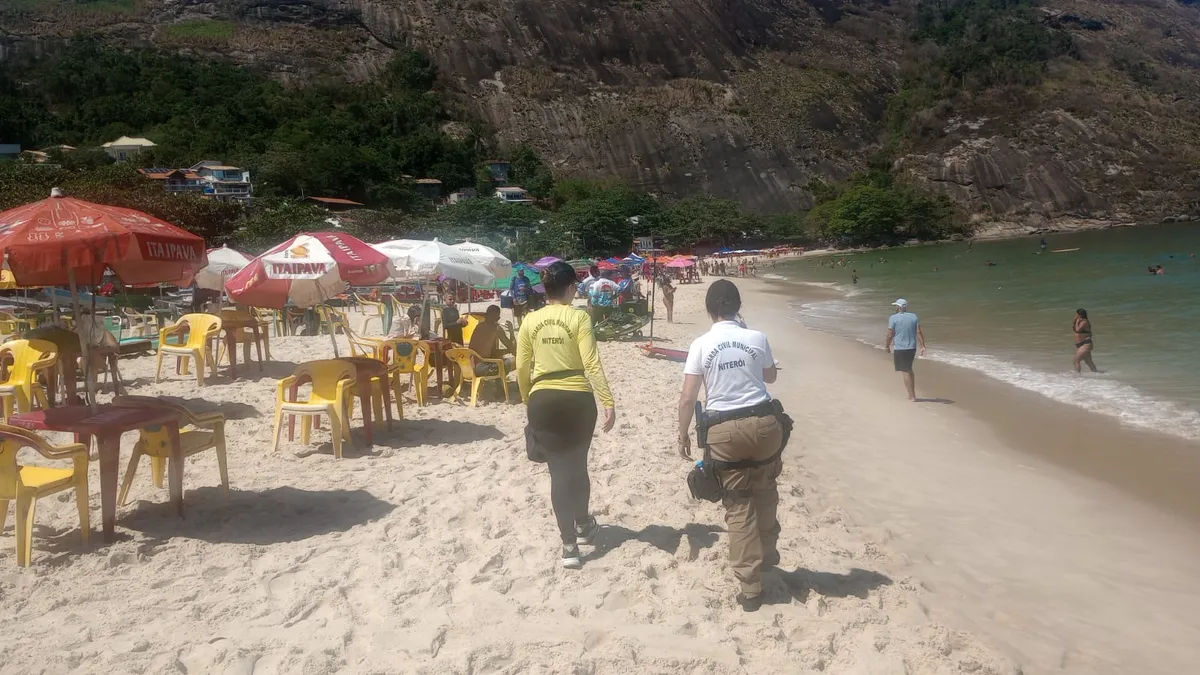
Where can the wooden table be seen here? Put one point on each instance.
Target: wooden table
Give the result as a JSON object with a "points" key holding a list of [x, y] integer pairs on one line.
{"points": [[230, 325], [107, 423], [367, 369], [437, 358]]}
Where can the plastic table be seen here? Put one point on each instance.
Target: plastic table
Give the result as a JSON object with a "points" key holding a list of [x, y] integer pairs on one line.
{"points": [[107, 423], [367, 369], [230, 326]]}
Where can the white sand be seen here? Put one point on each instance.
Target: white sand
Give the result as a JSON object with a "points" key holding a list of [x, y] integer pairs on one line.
{"points": [[436, 552]]}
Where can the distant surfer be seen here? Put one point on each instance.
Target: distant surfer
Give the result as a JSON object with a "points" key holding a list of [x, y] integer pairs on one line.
{"points": [[854, 276], [1043, 243], [1083, 340], [1158, 269], [989, 263]]}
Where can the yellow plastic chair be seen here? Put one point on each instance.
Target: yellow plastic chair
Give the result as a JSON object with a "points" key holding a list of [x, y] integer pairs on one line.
{"points": [[332, 394], [202, 330], [328, 318], [466, 360], [402, 360], [199, 432], [27, 484], [140, 325], [11, 324], [373, 309], [359, 345], [21, 390]]}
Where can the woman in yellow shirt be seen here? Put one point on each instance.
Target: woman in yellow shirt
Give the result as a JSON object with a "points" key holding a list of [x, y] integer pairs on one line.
{"points": [[558, 369]]}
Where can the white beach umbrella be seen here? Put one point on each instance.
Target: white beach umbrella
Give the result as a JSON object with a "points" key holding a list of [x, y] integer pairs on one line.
{"points": [[493, 260], [431, 259], [223, 263]]}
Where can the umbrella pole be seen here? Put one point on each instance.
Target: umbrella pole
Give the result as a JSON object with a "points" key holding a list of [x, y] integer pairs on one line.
{"points": [[332, 327], [83, 344]]}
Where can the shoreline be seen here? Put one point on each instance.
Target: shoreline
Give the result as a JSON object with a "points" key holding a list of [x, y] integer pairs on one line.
{"points": [[1163, 473], [1063, 540]]}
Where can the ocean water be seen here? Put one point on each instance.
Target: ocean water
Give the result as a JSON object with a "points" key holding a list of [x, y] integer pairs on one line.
{"points": [[1012, 321]]}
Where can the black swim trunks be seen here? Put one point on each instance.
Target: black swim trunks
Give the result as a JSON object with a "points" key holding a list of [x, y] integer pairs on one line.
{"points": [[903, 358]]}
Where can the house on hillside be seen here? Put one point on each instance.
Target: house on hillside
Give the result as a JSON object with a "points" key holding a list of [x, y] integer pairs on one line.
{"points": [[59, 148], [175, 181], [336, 204], [513, 195], [223, 182], [34, 157], [499, 170], [462, 195], [429, 188], [125, 148]]}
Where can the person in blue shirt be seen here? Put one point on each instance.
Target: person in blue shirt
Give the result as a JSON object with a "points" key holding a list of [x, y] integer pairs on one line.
{"points": [[521, 290], [903, 337]]}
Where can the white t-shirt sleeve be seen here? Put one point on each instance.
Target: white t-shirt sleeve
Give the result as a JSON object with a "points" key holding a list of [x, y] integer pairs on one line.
{"points": [[695, 359], [768, 357]]}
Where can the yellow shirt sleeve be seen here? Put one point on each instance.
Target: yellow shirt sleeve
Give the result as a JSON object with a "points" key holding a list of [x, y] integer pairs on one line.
{"points": [[591, 361], [525, 359]]}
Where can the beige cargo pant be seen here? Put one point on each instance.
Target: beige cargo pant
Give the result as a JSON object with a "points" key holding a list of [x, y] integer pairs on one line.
{"points": [[751, 498]]}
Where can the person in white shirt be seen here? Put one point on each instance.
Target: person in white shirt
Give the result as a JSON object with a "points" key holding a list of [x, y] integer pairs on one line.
{"points": [[406, 325], [745, 433]]}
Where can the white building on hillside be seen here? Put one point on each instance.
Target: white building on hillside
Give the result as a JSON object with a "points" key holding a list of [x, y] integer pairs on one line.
{"points": [[125, 148]]}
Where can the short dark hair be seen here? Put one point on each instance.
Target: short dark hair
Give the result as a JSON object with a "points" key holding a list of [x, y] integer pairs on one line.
{"points": [[493, 311], [1082, 313], [723, 299], [594, 271], [414, 310], [557, 278]]}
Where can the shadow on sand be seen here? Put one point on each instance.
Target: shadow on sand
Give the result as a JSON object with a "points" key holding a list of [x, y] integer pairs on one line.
{"points": [[277, 515], [857, 583], [944, 401], [663, 538]]}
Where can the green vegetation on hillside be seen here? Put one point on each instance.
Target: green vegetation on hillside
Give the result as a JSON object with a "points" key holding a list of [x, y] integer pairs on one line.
{"points": [[210, 32], [872, 209], [328, 138], [966, 47]]}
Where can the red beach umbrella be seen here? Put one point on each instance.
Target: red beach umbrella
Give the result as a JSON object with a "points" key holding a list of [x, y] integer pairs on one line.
{"points": [[61, 240], [307, 270]]}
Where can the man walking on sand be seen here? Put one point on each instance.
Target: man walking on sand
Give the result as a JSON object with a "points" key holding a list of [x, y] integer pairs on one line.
{"points": [[903, 336]]}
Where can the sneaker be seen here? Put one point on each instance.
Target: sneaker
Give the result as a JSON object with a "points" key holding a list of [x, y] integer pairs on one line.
{"points": [[571, 558], [749, 604], [586, 533]]}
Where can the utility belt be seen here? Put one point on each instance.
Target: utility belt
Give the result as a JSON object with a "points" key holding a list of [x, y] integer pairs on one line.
{"points": [[557, 375], [703, 480]]}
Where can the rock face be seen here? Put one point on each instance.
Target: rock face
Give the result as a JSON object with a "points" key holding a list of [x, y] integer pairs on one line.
{"points": [[746, 99]]}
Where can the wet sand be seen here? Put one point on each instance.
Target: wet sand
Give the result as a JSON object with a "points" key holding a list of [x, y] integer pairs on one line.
{"points": [[1066, 540]]}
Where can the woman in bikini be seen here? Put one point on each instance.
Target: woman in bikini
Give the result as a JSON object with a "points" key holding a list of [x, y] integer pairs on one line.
{"points": [[1083, 340], [668, 296]]}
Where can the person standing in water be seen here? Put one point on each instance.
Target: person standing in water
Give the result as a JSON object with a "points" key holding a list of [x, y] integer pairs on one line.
{"points": [[1043, 243], [1082, 326], [559, 372], [903, 336]]}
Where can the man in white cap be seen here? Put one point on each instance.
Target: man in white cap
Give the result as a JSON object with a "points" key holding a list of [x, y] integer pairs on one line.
{"points": [[903, 336]]}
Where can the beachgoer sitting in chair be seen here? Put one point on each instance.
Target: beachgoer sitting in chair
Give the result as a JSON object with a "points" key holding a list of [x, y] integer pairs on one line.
{"points": [[486, 340]]}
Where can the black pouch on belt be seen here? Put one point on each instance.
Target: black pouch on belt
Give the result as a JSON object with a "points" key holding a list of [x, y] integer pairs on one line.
{"points": [[702, 480], [533, 449]]}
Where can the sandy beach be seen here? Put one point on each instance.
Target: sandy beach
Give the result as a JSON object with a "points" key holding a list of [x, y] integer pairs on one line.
{"points": [[915, 540]]}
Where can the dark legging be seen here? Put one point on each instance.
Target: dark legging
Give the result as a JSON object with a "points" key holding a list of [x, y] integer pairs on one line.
{"points": [[563, 422]]}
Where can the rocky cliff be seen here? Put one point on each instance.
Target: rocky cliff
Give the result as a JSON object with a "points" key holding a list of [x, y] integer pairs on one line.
{"points": [[747, 99]]}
